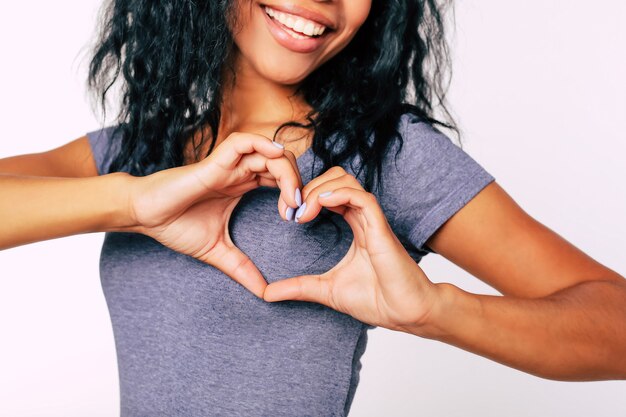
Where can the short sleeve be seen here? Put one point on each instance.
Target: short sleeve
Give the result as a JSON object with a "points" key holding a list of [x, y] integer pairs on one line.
{"points": [[428, 181], [104, 146]]}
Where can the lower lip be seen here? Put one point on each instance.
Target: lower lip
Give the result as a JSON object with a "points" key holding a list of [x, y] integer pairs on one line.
{"points": [[289, 42]]}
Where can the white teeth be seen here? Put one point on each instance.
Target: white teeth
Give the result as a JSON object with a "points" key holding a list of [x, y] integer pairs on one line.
{"points": [[297, 23], [298, 26], [309, 29]]}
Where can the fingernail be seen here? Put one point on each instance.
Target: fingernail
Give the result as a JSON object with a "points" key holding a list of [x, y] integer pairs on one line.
{"points": [[298, 197], [289, 213], [278, 145], [300, 211], [326, 194]]}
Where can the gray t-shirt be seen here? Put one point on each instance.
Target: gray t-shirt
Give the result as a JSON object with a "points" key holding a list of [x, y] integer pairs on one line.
{"points": [[191, 341]]}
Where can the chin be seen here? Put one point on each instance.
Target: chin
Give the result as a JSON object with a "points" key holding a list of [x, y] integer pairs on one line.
{"points": [[281, 69], [282, 73]]}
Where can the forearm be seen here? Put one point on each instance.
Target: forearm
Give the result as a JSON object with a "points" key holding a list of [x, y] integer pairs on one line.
{"points": [[578, 333], [40, 208]]}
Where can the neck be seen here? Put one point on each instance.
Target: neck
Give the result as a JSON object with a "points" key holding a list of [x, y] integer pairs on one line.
{"points": [[253, 102]]}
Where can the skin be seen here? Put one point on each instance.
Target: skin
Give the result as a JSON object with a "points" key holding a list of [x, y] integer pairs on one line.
{"points": [[562, 314], [554, 294], [186, 208]]}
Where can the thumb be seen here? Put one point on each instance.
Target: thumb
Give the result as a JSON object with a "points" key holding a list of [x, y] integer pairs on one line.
{"points": [[238, 266], [314, 288]]}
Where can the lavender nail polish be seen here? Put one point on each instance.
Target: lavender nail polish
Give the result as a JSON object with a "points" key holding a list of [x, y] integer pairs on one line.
{"points": [[325, 194], [278, 145], [298, 197], [300, 211], [289, 213]]}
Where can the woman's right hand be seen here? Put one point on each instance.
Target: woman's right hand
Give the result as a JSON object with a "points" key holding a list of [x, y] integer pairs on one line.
{"points": [[188, 208]]}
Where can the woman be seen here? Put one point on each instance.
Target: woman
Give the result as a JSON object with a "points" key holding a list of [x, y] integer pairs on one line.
{"points": [[188, 341]]}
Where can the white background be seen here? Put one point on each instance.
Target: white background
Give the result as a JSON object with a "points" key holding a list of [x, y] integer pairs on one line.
{"points": [[539, 91]]}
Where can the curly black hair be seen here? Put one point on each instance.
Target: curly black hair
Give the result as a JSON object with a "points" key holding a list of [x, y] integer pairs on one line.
{"points": [[169, 57]]}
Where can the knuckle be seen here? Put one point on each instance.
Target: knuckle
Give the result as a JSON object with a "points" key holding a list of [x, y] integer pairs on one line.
{"points": [[371, 197], [244, 262], [354, 182], [300, 286], [337, 170]]}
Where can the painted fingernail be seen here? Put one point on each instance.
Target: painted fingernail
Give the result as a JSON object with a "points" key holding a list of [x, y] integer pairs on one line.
{"points": [[298, 197], [326, 194], [289, 213], [278, 145], [300, 211]]}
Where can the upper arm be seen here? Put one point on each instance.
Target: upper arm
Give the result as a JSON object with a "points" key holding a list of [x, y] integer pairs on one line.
{"points": [[492, 238], [74, 159]]}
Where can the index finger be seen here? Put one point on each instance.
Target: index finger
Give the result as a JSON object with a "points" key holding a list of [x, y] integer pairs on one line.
{"points": [[228, 153], [287, 176]]}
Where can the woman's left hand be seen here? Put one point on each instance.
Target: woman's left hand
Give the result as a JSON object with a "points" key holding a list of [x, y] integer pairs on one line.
{"points": [[377, 281]]}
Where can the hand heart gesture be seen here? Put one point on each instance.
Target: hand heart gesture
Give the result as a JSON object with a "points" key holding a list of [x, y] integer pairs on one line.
{"points": [[377, 281], [188, 208]]}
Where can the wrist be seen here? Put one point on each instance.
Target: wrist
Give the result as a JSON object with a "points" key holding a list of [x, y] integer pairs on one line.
{"points": [[444, 308], [122, 215]]}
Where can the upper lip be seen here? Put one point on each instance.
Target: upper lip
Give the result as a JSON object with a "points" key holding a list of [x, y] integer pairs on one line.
{"points": [[302, 12]]}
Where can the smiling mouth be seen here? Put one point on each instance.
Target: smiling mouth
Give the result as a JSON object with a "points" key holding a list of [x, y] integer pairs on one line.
{"points": [[296, 26]]}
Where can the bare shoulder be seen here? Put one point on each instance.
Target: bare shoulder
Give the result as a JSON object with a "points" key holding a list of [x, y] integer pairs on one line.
{"points": [[73, 159], [495, 240]]}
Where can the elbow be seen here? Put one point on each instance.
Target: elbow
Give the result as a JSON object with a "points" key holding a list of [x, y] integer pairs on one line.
{"points": [[600, 352]]}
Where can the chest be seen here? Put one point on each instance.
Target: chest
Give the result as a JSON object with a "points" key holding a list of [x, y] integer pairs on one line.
{"points": [[142, 275], [181, 323], [283, 249]]}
